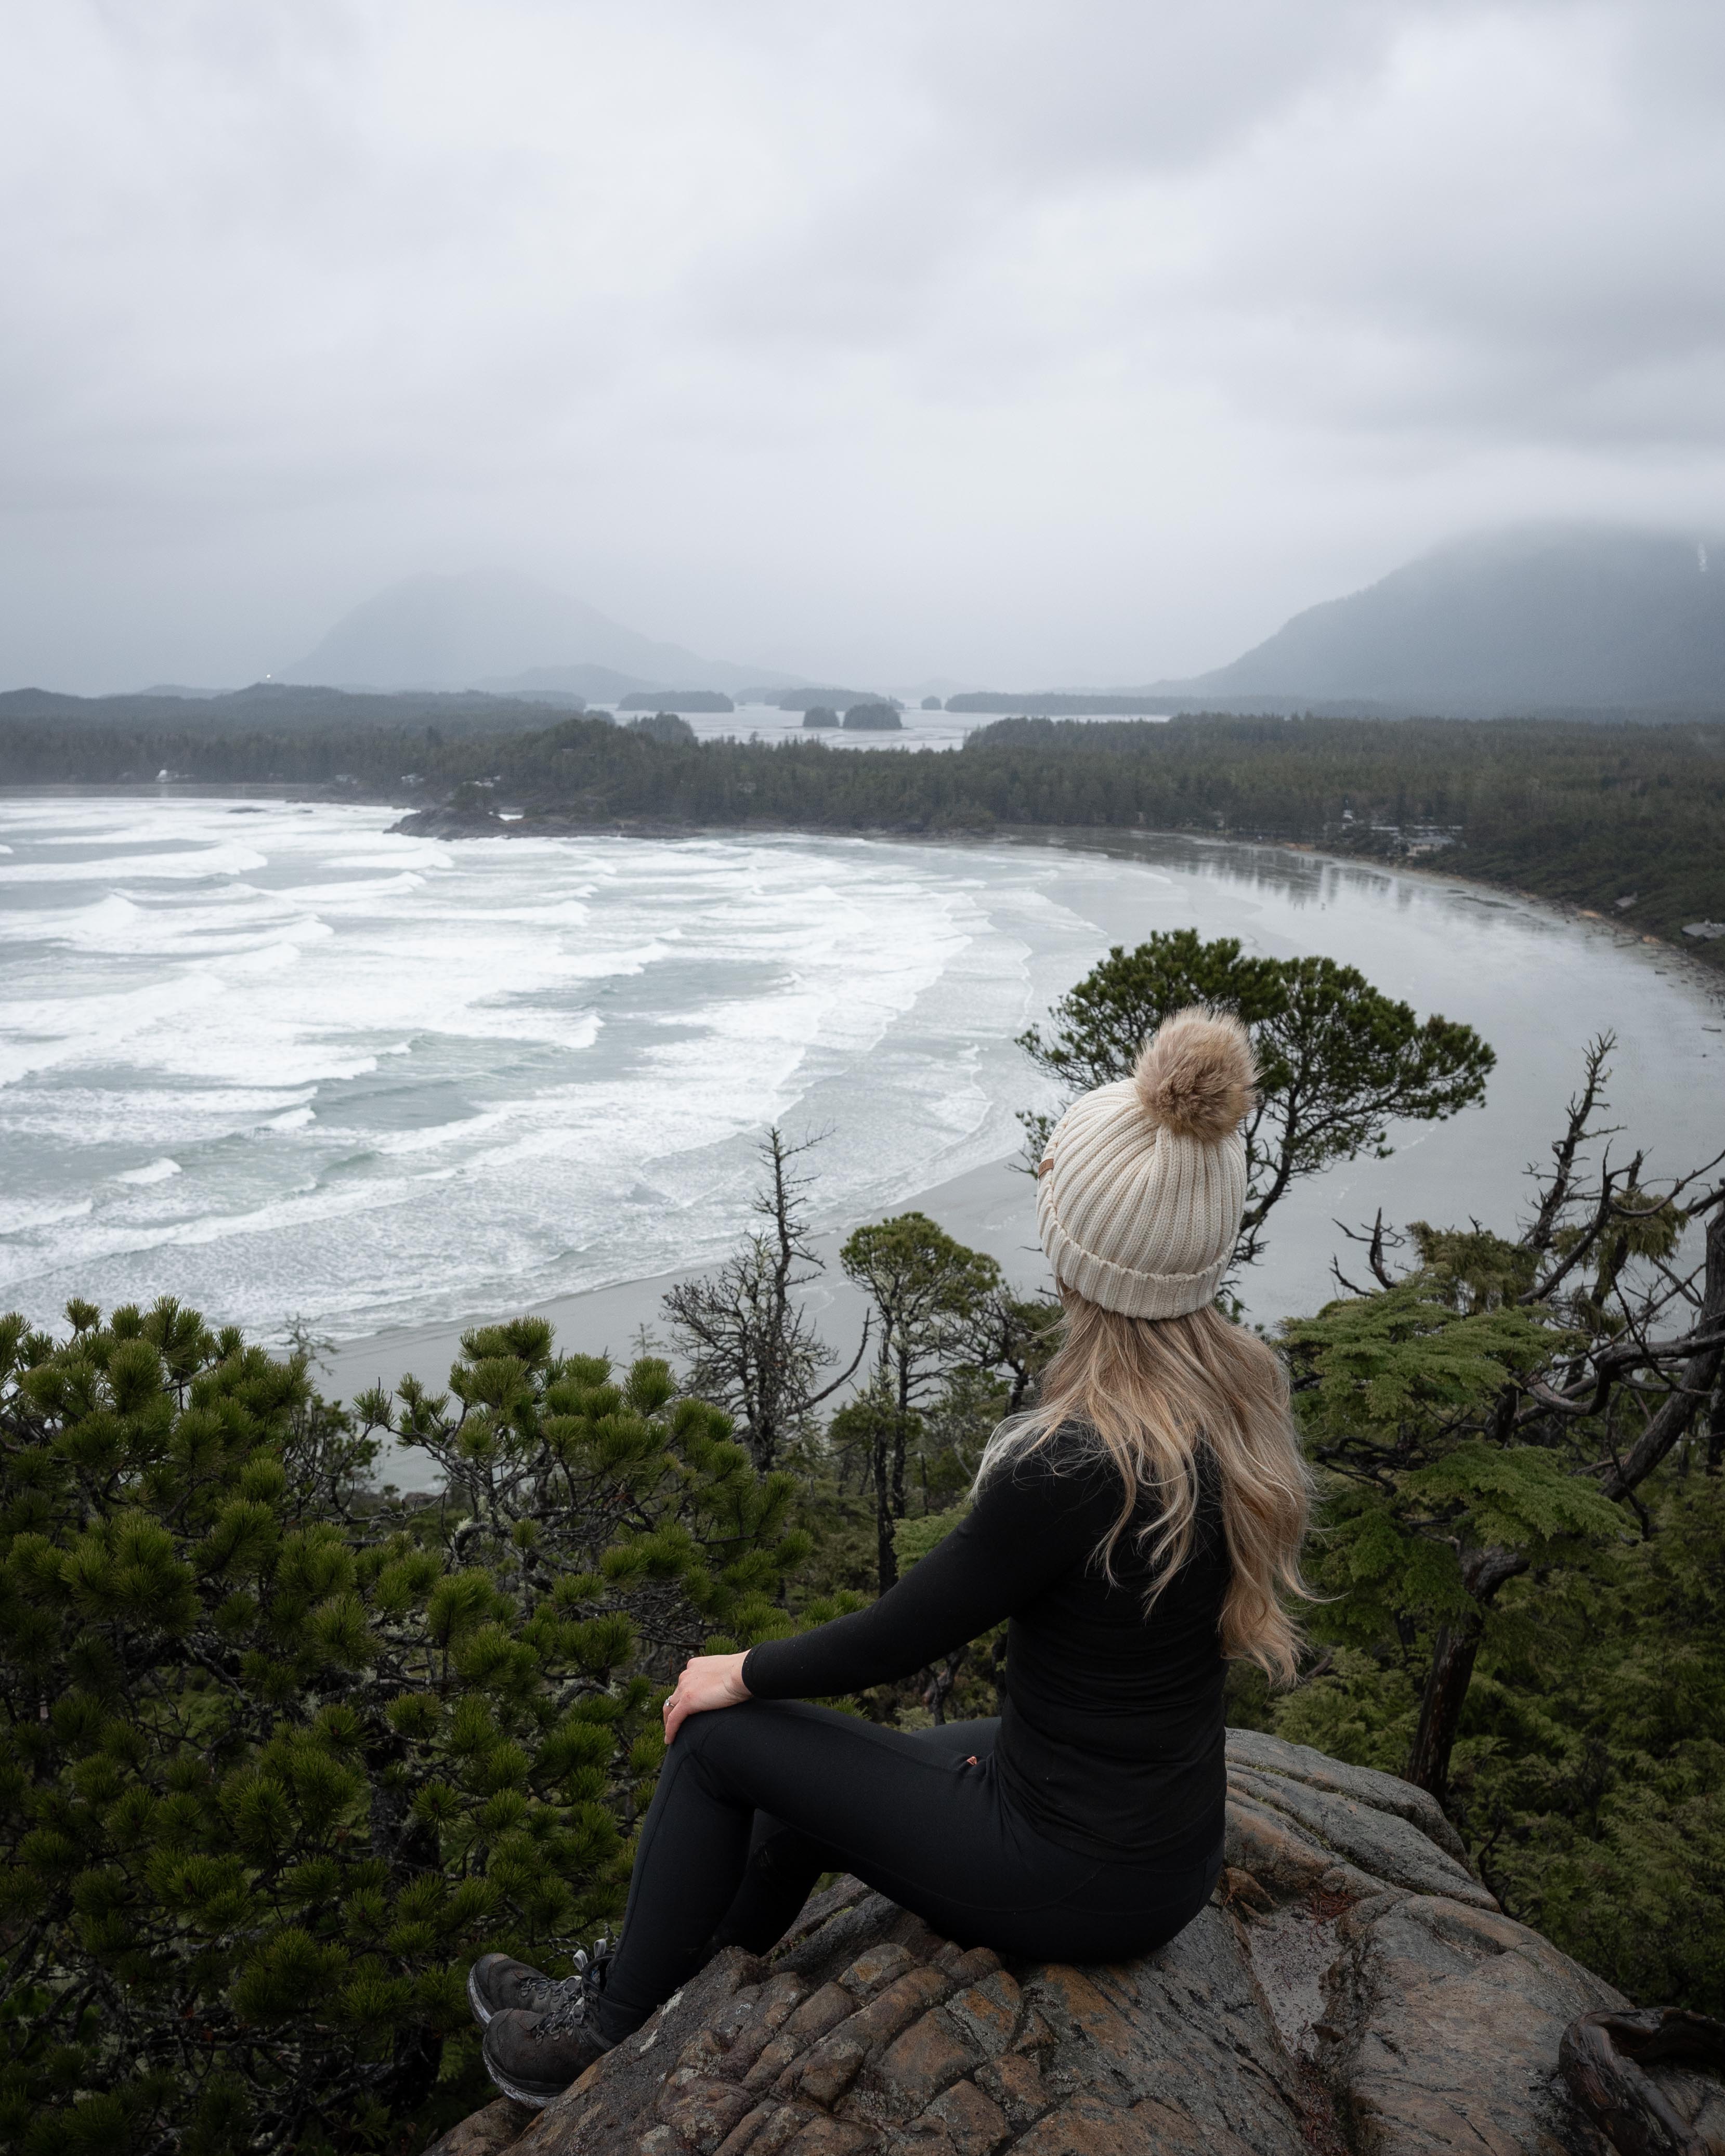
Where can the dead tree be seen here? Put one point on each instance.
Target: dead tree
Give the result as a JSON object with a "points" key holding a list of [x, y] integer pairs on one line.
{"points": [[746, 1339]]}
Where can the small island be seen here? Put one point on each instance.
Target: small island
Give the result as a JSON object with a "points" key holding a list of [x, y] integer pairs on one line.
{"points": [[820, 715], [805, 699], [873, 718]]}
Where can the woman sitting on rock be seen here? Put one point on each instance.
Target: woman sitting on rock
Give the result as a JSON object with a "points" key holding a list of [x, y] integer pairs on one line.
{"points": [[1138, 1528]]}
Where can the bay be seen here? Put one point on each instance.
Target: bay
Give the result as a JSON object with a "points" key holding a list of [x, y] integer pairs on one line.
{"points": [[275, 1059]]}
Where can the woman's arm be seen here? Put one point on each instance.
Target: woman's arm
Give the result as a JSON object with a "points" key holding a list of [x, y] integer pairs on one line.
{"points": [[1029, 1525]]}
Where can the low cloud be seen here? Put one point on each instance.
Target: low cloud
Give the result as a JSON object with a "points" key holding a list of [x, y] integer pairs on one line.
{"points": [[1021, 344]]}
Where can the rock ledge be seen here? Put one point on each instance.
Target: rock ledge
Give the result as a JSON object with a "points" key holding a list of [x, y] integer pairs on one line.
{"points": [[1351, 1987]]}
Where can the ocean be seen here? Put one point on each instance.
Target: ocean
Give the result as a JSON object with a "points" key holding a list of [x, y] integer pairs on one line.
{"points": [[272, 1059]]}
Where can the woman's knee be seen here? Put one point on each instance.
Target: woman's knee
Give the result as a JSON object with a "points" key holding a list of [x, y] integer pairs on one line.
{"points": [[723, 1735]]}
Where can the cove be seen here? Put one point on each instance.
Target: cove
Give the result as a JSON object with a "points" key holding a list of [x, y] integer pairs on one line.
{"points": [[271, 1058]]}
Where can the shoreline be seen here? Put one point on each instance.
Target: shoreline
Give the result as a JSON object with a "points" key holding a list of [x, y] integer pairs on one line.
{"points": [[989, 1208], [1112, 839], [992, 1208], [1706, 972]]}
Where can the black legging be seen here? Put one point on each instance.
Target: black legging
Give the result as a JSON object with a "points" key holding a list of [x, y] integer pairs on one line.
{"points": [[755, 1801]]}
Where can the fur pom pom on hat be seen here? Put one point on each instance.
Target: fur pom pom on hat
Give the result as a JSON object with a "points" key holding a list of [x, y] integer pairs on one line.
{"points": [[1143, 1183]]}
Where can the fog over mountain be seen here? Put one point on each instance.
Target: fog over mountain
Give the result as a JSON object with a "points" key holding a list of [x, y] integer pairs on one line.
{"points": [[1528, 620], [493, 630], [1544, 618], [1002, 343]]}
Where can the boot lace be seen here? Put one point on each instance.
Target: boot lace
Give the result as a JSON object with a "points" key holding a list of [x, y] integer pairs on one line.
{"points": [[578, 1992]]}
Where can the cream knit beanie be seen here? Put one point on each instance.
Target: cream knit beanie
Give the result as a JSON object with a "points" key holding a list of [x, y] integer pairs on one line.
{"points": [[1141, 1191]]}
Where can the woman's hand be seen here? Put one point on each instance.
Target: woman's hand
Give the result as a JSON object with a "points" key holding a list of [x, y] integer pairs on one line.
{"points": [[710, 1681]]}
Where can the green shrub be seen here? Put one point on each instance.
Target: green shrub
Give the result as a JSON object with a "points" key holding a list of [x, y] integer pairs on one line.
{"points": [[280, 1755], [1589, 1772]]}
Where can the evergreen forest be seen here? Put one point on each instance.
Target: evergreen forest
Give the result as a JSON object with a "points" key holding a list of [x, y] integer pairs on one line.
{"points": [[1624, 818], [283, 1748]]}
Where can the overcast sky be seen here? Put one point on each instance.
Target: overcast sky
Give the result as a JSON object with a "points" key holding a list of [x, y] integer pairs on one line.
{"points": [[1020, 344]]}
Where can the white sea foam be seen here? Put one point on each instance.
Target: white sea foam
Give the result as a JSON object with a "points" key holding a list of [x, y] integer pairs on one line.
{"points": [[141, 867], [377, 1078], [16, 1219], [155, 1171]]}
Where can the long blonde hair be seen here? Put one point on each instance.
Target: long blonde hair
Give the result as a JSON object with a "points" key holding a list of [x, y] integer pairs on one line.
{"points": [[1153, 1391]]}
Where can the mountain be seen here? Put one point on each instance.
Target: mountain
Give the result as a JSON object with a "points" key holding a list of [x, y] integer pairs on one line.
{"points": [[1537, 619], [598, 684], [503, 632]]}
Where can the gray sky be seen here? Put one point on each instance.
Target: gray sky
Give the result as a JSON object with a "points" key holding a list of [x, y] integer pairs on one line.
{"points": [[1025, 344]]}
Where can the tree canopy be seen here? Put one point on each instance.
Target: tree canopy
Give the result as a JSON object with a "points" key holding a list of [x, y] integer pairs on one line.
{"points": [[1495, 1408], [933, 1298], [1338, 1061], [281, 1753]]}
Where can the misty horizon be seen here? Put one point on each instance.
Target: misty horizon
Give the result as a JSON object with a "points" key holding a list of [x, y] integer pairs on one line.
{"points": [[1553, 617], [1005, 349], [535, 657]]}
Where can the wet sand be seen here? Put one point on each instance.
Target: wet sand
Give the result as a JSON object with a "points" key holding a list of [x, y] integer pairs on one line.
{"points": [[1436, 1172], [991, 1208]]}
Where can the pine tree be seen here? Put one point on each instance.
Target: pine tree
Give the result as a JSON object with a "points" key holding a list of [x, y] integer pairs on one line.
{"points": [[1337, 1060], [1497, 1409], [279, 1756], [933, 1299]]}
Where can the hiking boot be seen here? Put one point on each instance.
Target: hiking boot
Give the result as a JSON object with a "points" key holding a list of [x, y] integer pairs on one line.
{"points": [[534, 2057], [496, 1984]]}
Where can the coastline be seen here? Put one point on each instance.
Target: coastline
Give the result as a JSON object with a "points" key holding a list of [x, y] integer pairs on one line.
{"points": [[991, 1208], [1117, 842], [1120, 841]]}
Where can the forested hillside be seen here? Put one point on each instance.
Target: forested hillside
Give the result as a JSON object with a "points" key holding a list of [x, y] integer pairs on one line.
{"points": [[1587, 813], [1544, 618]]}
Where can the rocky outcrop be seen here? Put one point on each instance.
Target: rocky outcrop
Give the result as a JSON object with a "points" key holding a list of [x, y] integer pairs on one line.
{"points": [[1351, 1986], [1654, 2080]]}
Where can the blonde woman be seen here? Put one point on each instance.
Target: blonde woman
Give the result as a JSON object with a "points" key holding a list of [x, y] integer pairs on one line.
{"points": [[1138, 1530]]}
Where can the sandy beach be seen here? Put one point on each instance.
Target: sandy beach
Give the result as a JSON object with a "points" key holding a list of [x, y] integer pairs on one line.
{"points": [[532, 1077], [991, 1208]]}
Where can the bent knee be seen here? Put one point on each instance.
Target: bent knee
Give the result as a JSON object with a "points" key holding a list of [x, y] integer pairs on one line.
{"points": [[718, 1727]]}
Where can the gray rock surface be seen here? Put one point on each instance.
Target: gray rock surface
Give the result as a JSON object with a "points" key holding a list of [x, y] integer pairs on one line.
{"points": [[1351, 1986]]}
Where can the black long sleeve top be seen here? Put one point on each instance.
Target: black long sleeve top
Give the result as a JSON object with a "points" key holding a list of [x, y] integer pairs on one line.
{"points": [[1111, 1729]]}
